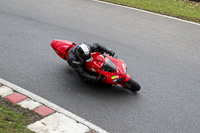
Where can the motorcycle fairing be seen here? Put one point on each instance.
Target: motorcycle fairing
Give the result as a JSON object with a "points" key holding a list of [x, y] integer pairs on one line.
{"points": [[97, 63]]}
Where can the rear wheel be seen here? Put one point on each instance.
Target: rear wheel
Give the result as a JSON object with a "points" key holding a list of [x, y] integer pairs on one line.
{"points": [[132, 85]]}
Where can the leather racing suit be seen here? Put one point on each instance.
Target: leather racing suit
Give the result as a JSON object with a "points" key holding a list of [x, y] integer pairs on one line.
{"points": [[79, 66]]}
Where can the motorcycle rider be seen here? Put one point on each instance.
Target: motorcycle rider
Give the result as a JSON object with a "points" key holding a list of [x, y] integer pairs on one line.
{"points": [[80, 54]]}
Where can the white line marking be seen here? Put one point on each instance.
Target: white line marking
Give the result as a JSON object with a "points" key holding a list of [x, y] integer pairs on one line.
{"points": [[132, 8], [52, 106]]}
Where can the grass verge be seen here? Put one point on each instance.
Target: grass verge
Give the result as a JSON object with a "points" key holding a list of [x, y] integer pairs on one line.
{"points": [[14, 119], [184, 9]]}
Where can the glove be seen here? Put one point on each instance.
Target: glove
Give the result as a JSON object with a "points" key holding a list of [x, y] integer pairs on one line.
{"points": [[111, 53]]}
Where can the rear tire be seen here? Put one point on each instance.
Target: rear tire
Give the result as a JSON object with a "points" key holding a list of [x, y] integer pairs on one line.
{"points": [[132, 85]]}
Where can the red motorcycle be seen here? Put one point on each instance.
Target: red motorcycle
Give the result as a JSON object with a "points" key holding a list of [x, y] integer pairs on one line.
{"points": [[112, 70]]}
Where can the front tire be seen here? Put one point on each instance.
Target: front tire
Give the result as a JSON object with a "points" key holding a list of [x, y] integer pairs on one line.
{"points": [[132, 85]]}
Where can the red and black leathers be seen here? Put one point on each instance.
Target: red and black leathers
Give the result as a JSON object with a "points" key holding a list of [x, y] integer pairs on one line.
{"points": [[79, 66]]}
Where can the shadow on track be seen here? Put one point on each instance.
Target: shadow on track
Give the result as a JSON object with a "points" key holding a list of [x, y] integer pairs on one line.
{"points": [[90, 87]]}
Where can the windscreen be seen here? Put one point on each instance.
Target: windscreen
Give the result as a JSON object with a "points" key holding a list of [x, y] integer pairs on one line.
{"points": [[108, 66]]}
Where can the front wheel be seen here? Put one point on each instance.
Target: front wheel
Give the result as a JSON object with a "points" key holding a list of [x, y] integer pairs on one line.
{"points": [[132, 85]]}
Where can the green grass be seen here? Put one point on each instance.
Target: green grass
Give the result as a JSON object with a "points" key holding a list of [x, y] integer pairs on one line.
{"points": [[12, 122], [177, 8]]}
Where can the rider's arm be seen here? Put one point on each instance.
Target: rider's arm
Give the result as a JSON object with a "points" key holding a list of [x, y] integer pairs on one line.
{"points": [[77, 65], [97, 46]]}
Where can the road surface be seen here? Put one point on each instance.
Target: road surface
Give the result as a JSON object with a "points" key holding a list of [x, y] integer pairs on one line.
{"points": [[162, 54]]}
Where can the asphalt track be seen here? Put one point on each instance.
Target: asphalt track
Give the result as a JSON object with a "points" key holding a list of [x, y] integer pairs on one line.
{"points": [[162, 54]]}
